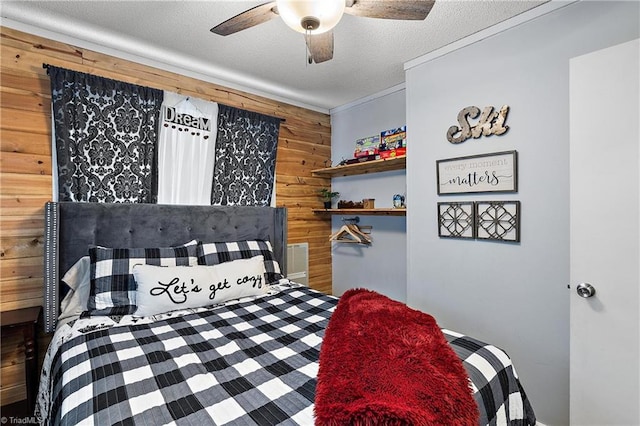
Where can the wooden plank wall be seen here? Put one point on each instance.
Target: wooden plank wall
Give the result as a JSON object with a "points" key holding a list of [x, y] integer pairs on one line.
{"points": [[25, 168]]}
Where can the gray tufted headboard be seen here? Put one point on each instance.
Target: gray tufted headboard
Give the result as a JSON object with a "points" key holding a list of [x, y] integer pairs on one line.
{"points": [[70, 227]]}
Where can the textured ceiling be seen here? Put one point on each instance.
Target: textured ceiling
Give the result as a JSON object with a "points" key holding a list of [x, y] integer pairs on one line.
{"points": [[268, 59]]}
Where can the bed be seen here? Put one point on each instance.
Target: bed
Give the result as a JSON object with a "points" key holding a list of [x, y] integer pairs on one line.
{"points": [[186, 356]]}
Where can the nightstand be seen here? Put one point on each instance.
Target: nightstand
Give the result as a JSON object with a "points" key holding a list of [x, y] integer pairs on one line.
{"points": [[27, 320]]}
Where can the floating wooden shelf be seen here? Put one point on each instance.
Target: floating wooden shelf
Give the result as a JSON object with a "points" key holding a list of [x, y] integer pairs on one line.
{"points": [[372, 212], [375, 166]]}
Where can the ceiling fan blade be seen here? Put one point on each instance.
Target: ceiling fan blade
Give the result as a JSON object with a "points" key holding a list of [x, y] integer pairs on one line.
{"points": [[320, 46], [390, 9], [247, 19]]}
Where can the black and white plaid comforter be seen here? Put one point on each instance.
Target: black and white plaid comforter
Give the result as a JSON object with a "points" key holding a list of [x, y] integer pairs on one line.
{"points": [[245, 363]]}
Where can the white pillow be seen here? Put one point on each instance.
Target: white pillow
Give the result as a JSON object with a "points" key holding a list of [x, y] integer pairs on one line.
{"points": [[79, 280], [78, 274], [167, 288]]}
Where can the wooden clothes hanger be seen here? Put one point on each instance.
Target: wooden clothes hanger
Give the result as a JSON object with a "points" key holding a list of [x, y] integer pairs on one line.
{"points": [[356, 229], [350, 233], [345, 235]]}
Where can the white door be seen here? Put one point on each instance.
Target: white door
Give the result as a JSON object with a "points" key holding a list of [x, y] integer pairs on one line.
{"points": [[605, 236]]}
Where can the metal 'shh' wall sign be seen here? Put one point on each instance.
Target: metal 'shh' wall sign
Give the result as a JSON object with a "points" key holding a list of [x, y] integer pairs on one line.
{"points": [[490, 123]]}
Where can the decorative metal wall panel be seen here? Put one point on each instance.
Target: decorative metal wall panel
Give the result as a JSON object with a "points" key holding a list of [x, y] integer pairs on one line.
{"points": [[456, 220], [498, 220]]}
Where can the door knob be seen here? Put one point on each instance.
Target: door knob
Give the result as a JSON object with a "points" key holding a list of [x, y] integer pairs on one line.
{"points": [[585, 290]]}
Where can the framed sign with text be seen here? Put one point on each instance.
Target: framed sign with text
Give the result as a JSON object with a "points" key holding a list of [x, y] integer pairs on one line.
{"points": [[495, 172]]}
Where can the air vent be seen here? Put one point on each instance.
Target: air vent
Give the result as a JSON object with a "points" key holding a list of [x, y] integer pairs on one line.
{"points": [[298, 263]]}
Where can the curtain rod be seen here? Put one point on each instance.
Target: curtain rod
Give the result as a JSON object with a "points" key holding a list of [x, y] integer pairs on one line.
{"points": [[46, 66]]}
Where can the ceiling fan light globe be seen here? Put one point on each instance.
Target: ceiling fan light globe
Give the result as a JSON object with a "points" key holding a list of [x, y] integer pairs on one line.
{"points": [[295, 12]]}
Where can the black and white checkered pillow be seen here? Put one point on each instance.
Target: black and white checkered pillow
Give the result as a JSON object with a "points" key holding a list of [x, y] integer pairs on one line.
{"points": [[220, 252], [113, 287]]}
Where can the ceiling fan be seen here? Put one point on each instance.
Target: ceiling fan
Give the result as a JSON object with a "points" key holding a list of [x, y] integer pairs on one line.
{"points": [[316, 18]]}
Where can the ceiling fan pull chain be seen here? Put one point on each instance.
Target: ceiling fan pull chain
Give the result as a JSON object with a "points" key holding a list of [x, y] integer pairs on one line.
{"points": [[307, 46]]}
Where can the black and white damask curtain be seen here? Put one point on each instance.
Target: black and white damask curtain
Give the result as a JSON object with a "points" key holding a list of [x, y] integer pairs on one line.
{"points": [[105, 136], [245, 157]]}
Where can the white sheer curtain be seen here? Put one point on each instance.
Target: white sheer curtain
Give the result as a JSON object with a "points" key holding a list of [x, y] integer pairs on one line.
{"points": [[186, 150]]}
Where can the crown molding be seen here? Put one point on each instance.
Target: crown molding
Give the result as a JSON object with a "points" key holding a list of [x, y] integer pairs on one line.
{"points": [[111, 44], [513, 22]]}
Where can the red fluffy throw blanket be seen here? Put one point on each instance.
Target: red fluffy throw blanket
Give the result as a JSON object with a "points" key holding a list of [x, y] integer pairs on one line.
{"points": [[383, 363]]}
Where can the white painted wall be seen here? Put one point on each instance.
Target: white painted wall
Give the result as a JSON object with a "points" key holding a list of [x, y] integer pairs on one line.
{"points": [[381, 266], [512, 295]]}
